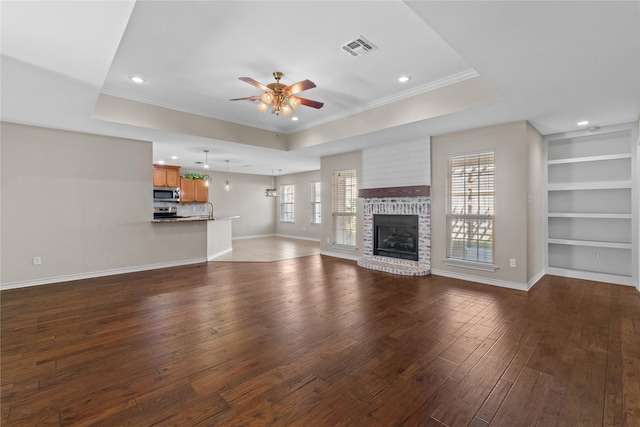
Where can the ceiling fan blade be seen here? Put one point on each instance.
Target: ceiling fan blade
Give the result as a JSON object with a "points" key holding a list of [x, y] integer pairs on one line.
{"points": [[299, 87], [254, 83], [246, 97], [310, 103]]}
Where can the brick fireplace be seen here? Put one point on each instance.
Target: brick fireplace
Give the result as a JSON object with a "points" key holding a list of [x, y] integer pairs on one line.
{"points": [[397, 208]]}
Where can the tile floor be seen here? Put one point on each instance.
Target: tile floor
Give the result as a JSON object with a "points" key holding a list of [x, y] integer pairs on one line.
{"points": [[268, 249]]}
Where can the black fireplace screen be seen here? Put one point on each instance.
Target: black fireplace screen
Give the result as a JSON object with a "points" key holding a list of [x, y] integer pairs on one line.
{"points": [[396, 236]]}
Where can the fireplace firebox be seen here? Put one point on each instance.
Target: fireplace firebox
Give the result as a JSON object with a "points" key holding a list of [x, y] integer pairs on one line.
{"points": [[396, 236]]}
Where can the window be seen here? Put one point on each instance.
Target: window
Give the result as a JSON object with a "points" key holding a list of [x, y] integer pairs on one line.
{"points": [[344, 194], [470, 207], [316, 216], [286, 203]]}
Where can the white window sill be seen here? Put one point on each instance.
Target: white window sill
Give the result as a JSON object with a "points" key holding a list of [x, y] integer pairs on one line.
{"points": [[470, 264]]}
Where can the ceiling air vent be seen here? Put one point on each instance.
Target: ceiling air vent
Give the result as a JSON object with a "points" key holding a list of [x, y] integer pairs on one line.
{"points": [[358, 47]]}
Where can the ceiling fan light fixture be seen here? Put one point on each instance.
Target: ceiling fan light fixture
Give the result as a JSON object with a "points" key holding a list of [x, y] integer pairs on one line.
{"points": [[280, 97], [294, 102], [267, 98]]}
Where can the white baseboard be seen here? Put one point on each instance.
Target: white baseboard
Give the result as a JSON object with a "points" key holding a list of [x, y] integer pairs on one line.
{"points": [[535, 279], [94, 274], [255, 236], [483, 280], [214, 256], [298, 237]]}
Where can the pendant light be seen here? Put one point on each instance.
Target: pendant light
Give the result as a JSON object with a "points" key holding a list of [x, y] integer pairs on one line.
{"points": [[273, 191], [227, 184], [206, 166]]}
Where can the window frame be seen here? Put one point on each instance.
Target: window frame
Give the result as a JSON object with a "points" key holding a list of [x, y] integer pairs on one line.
{"points": [[465, 200], [341, 212], [286, 204], [316, 203]]}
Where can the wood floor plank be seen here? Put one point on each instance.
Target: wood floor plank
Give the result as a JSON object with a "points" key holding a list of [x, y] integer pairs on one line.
{"points": [[319, 341]]}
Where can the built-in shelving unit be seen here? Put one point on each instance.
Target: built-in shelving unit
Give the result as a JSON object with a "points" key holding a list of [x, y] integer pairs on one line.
{"points": [[591, 232]]}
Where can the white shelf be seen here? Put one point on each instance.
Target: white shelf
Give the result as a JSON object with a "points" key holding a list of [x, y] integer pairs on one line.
{"points": [[620, 279], [590, 243], [591, 221], [601, 185], [590, 159], [589, 215]]}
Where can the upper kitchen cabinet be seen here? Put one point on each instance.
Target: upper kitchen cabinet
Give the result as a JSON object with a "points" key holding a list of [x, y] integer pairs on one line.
{"points": [[166, 176], [193, 191]]}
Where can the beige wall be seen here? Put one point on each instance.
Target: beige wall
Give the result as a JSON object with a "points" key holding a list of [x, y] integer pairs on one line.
{"points": [[84, 204], [535, 209], [329, 165], [301, 227], [511, 143]]}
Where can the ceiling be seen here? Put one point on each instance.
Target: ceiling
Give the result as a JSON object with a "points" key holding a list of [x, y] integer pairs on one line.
{"points": [[67, 65]]}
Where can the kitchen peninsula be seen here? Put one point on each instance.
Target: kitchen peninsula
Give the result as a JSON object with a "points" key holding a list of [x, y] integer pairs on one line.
{"points": [[218, 231]]}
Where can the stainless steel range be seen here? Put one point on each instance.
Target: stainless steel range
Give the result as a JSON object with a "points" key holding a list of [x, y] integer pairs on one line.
{"points": [[165, 212]]}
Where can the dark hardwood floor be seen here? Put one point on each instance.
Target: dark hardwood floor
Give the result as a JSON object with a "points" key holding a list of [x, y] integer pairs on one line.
{"points": [[318, 341]]}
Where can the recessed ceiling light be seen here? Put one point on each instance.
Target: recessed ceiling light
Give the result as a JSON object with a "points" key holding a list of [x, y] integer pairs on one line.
{"points": [[161, 162], [404, 79], [295, 119], [137, 79], [174, 157], [583, 123]]}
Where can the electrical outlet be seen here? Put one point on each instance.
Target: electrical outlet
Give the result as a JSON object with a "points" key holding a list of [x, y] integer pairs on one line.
{"points": [[37, 260], [512, 262]]}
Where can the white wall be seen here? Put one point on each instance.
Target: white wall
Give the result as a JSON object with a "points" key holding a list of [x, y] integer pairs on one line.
{"points": [[301, 227], [83, 203], [397, 164]]}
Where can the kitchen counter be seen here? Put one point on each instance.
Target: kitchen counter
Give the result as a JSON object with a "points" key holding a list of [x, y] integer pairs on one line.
{"points": [[195, 218], [218, 231]]}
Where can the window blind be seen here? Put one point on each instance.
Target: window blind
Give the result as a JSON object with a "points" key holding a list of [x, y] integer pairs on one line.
{"points": [[316, 212], [286, 203], [470, 207], [344, 195]]}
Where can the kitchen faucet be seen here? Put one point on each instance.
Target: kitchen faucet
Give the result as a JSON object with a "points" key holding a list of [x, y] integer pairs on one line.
{"points": [[211, 213]]}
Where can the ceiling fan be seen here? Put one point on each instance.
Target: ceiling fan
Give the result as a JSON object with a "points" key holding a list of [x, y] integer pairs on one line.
{"points": [[280, 97]]}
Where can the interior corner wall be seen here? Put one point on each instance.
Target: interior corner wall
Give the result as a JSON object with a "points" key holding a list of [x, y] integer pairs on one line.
{"points": [[535, 203], [509, 141], [329, 165], [83, 204], [301, 226]]}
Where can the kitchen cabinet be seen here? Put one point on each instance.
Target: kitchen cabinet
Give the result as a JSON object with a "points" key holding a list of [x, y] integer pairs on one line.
{"points": [[193, 191], [201, 190], [166, 176], [590, 209]]}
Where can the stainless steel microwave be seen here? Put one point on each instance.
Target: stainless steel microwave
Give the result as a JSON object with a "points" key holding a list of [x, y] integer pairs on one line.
{"points": [[166, 194]]}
